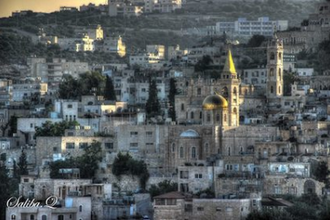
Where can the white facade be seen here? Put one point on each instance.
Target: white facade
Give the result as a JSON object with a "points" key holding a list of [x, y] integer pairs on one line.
{"points": [[24, 91], [244, 27], [305, 71]]}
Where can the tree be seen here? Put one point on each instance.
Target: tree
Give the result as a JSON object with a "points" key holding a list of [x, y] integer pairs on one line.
{"points": [[162, 188], [171, 98], [125, 164], [22, 164], [55, 166], [288, 80], [4, 192], [152, 105], [92, 82], [256, 41], [87, 84], [322, 172], [88, 162], [54, 129], [109, 90], [12, 125], [69, 88], [203, 64]]}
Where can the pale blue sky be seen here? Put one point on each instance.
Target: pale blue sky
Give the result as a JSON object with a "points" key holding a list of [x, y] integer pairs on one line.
{"points": [[8, 6]]}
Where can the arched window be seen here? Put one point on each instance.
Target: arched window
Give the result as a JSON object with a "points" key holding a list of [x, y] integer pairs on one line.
{"points": [[173, 147], [218, 117], [13, 217], [182, 106], [44, 217], [193, 152], [235, 90], [181, 152], [279, 89], [280, 73], [271, 72], [224, 92], [192, 115], [271, 89], [272, 56], [235, 110], [80, 208], [208, 117], [199, 91]]}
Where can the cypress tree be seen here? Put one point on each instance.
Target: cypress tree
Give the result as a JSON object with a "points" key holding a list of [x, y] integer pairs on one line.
{"points": [[22, 164], [109, 90], [171, 97], [152, 105]]}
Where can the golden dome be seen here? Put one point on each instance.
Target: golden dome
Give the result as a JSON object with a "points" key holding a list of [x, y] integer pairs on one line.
{"points": [[214, 102]]}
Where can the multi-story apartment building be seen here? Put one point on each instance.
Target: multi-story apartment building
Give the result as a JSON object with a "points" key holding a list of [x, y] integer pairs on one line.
{"points": [[244, 27], [24, 91]]}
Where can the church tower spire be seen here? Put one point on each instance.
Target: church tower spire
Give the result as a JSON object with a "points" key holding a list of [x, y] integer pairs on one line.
{"points": [[274, 68]]}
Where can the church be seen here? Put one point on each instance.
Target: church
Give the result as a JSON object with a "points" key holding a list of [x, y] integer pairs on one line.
{"points": [[209, 114]]}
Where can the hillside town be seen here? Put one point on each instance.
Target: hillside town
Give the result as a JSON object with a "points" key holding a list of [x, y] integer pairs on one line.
{"points": [[231, 123]]}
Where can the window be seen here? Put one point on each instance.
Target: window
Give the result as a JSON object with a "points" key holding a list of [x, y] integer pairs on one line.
{"points": [[60, 217], [133, 145], [208, 117], [198, 176], [173, 148], [80, 208], [191, 115], [69, 106], [13, 217], [26, 180], [181, 152], [170, 201], [229, 167], [182, 106], [199, 91], [31, 217], [83, 145], [134, 133], [44, 217], [160, 201], [199, 208], [55, 149], [272, 56], [70, 145], [184, 174], [193, 152], [271, 89], [271, 72], [218, 117], [108, 146], [149, 133], [279, 89]]}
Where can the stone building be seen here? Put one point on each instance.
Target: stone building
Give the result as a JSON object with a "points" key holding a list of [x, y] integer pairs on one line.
{"points": [[175, 205], [72, 209], [274, 69]]}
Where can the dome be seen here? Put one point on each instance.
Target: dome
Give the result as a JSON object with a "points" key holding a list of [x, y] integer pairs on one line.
{"points": [[189, 134], [214, 102]]}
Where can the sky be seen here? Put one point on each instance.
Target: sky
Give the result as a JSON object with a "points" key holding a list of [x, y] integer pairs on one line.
{"points": [[8, 6]]}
